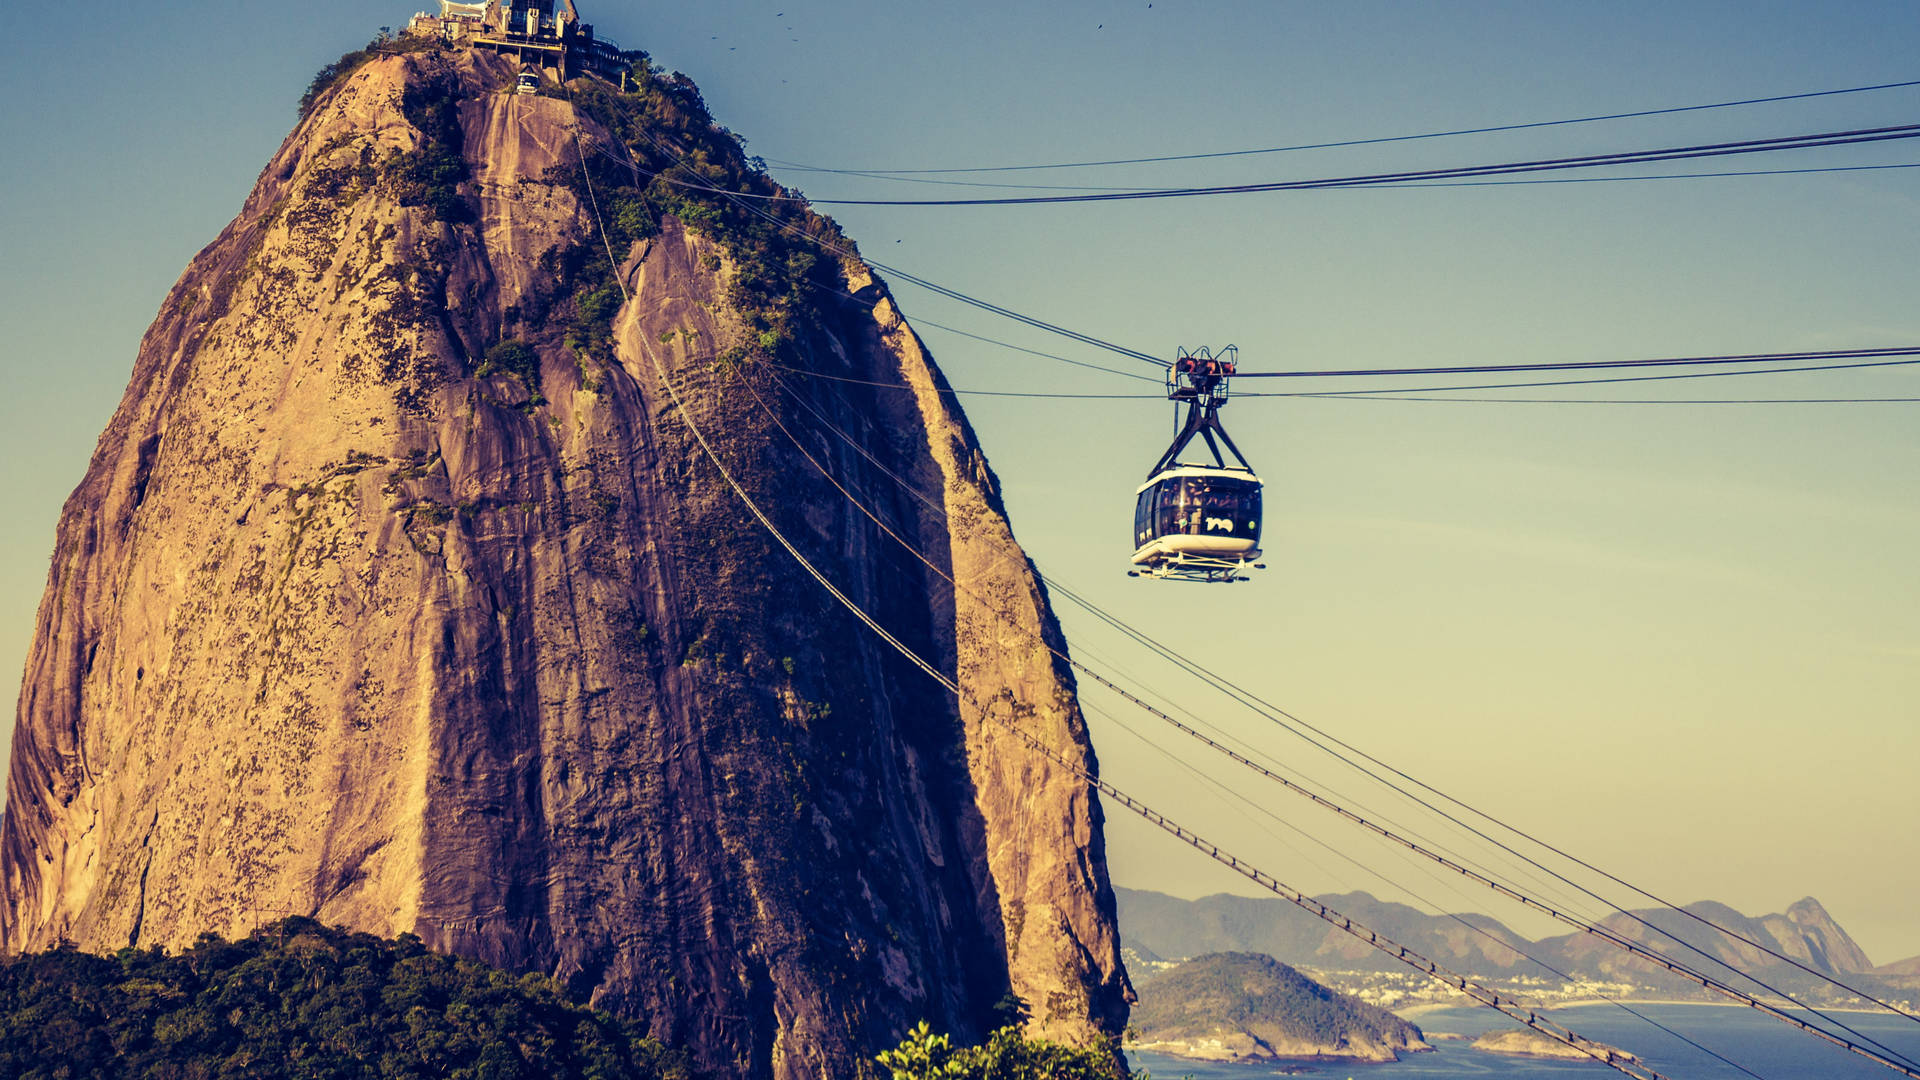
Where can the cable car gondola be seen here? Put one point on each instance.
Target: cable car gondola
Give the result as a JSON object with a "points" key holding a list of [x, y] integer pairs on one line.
{"points": [[1195, 521]]}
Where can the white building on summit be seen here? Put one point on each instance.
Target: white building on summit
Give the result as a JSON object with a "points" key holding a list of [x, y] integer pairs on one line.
{"points": [[544, 33]]}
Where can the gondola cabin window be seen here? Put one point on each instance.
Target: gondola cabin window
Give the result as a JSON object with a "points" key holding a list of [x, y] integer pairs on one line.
{"points": [[1198, 506]]}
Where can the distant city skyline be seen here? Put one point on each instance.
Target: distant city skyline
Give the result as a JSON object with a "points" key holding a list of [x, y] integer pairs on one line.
{"points": [[1681, 641]]}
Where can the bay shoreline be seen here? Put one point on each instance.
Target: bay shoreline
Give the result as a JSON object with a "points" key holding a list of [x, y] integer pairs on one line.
{"points": [[1412, 1012]]}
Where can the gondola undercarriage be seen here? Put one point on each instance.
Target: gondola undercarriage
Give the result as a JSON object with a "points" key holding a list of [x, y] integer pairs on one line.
{"points": [[1191, 566]]}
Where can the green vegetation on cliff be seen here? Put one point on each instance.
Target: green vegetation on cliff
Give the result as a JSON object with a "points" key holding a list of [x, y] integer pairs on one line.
{"points": [[681, 164], [431, 176], [670, 159], [298, 999]]}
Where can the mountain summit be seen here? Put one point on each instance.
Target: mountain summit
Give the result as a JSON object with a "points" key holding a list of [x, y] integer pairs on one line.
{"points": [[400, 593], [1805, 934]]}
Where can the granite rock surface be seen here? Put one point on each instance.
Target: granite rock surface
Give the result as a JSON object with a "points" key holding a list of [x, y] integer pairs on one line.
{"points": [[346, 621]]}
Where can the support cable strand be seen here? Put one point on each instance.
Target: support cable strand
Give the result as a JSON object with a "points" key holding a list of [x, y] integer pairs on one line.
{"points": [[1590, 365], [1366, 142], [1221, 788], [1289, 784], [1082, 396], [1487, 997], [1809, 141], [1591, 382], [939, 512], [1483, 878], [1405, 955], [1705, 980], [1718, 173], [1618, 941], [845, 253], [1275, 714], [736, 198], [1388, 394]]}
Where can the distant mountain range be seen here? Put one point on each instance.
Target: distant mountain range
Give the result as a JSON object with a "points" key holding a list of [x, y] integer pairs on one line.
{"points": [[1908, 967], [1166, 927]]}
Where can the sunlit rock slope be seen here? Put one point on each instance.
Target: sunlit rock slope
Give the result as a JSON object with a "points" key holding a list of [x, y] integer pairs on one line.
{"points": [[398, 594]]}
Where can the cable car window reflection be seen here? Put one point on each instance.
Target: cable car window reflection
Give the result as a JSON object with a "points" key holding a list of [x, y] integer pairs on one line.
{"points": [[1198, 506]]}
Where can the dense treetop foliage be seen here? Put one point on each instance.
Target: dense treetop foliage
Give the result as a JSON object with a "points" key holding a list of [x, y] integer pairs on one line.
{"points": [[1007, 1055], [302, 1000]]}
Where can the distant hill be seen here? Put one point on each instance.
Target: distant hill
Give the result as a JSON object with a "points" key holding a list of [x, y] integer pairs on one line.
{"points": [[1899, 977], [1909, 966], [1170, 927], [1249, 1007], [1519, 1042]]}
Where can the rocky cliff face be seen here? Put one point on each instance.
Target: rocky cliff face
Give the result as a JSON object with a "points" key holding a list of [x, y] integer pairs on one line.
{"points": [[397, 594], [1808, 934]]}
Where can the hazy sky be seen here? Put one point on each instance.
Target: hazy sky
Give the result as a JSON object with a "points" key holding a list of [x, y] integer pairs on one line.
{"points": [[1682, 641]]}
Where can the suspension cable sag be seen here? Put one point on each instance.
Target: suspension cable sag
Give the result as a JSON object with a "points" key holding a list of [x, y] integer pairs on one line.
{"points": [[1479, 993]]}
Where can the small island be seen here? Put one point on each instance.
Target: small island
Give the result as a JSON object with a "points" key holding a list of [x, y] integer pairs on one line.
{"points": [[1249, 1007], [1521, 1042]]}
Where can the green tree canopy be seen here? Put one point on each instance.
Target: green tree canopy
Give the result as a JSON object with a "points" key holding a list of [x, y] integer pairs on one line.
{"points": [[1007, 1055], [302, 1000]]}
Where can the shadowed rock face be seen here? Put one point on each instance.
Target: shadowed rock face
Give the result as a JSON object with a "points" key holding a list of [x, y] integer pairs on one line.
{"points": [[337, 626]]}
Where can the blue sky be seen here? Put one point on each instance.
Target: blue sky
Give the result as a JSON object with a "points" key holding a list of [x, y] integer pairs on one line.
{"points": [[1682, 640]]}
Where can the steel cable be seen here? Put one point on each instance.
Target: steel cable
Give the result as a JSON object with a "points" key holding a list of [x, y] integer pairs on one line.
{"points": [[1364, 142], [1495, 1002]]}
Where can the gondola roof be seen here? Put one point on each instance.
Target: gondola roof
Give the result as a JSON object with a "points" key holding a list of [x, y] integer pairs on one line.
{"points": [[1217, 472]]}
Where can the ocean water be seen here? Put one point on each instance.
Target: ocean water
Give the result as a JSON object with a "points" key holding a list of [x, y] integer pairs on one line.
{"points": [[1769, 1048]]}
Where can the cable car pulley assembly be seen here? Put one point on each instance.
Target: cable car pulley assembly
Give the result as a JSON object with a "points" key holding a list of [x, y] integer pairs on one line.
{"points": [[1194, 521]]}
